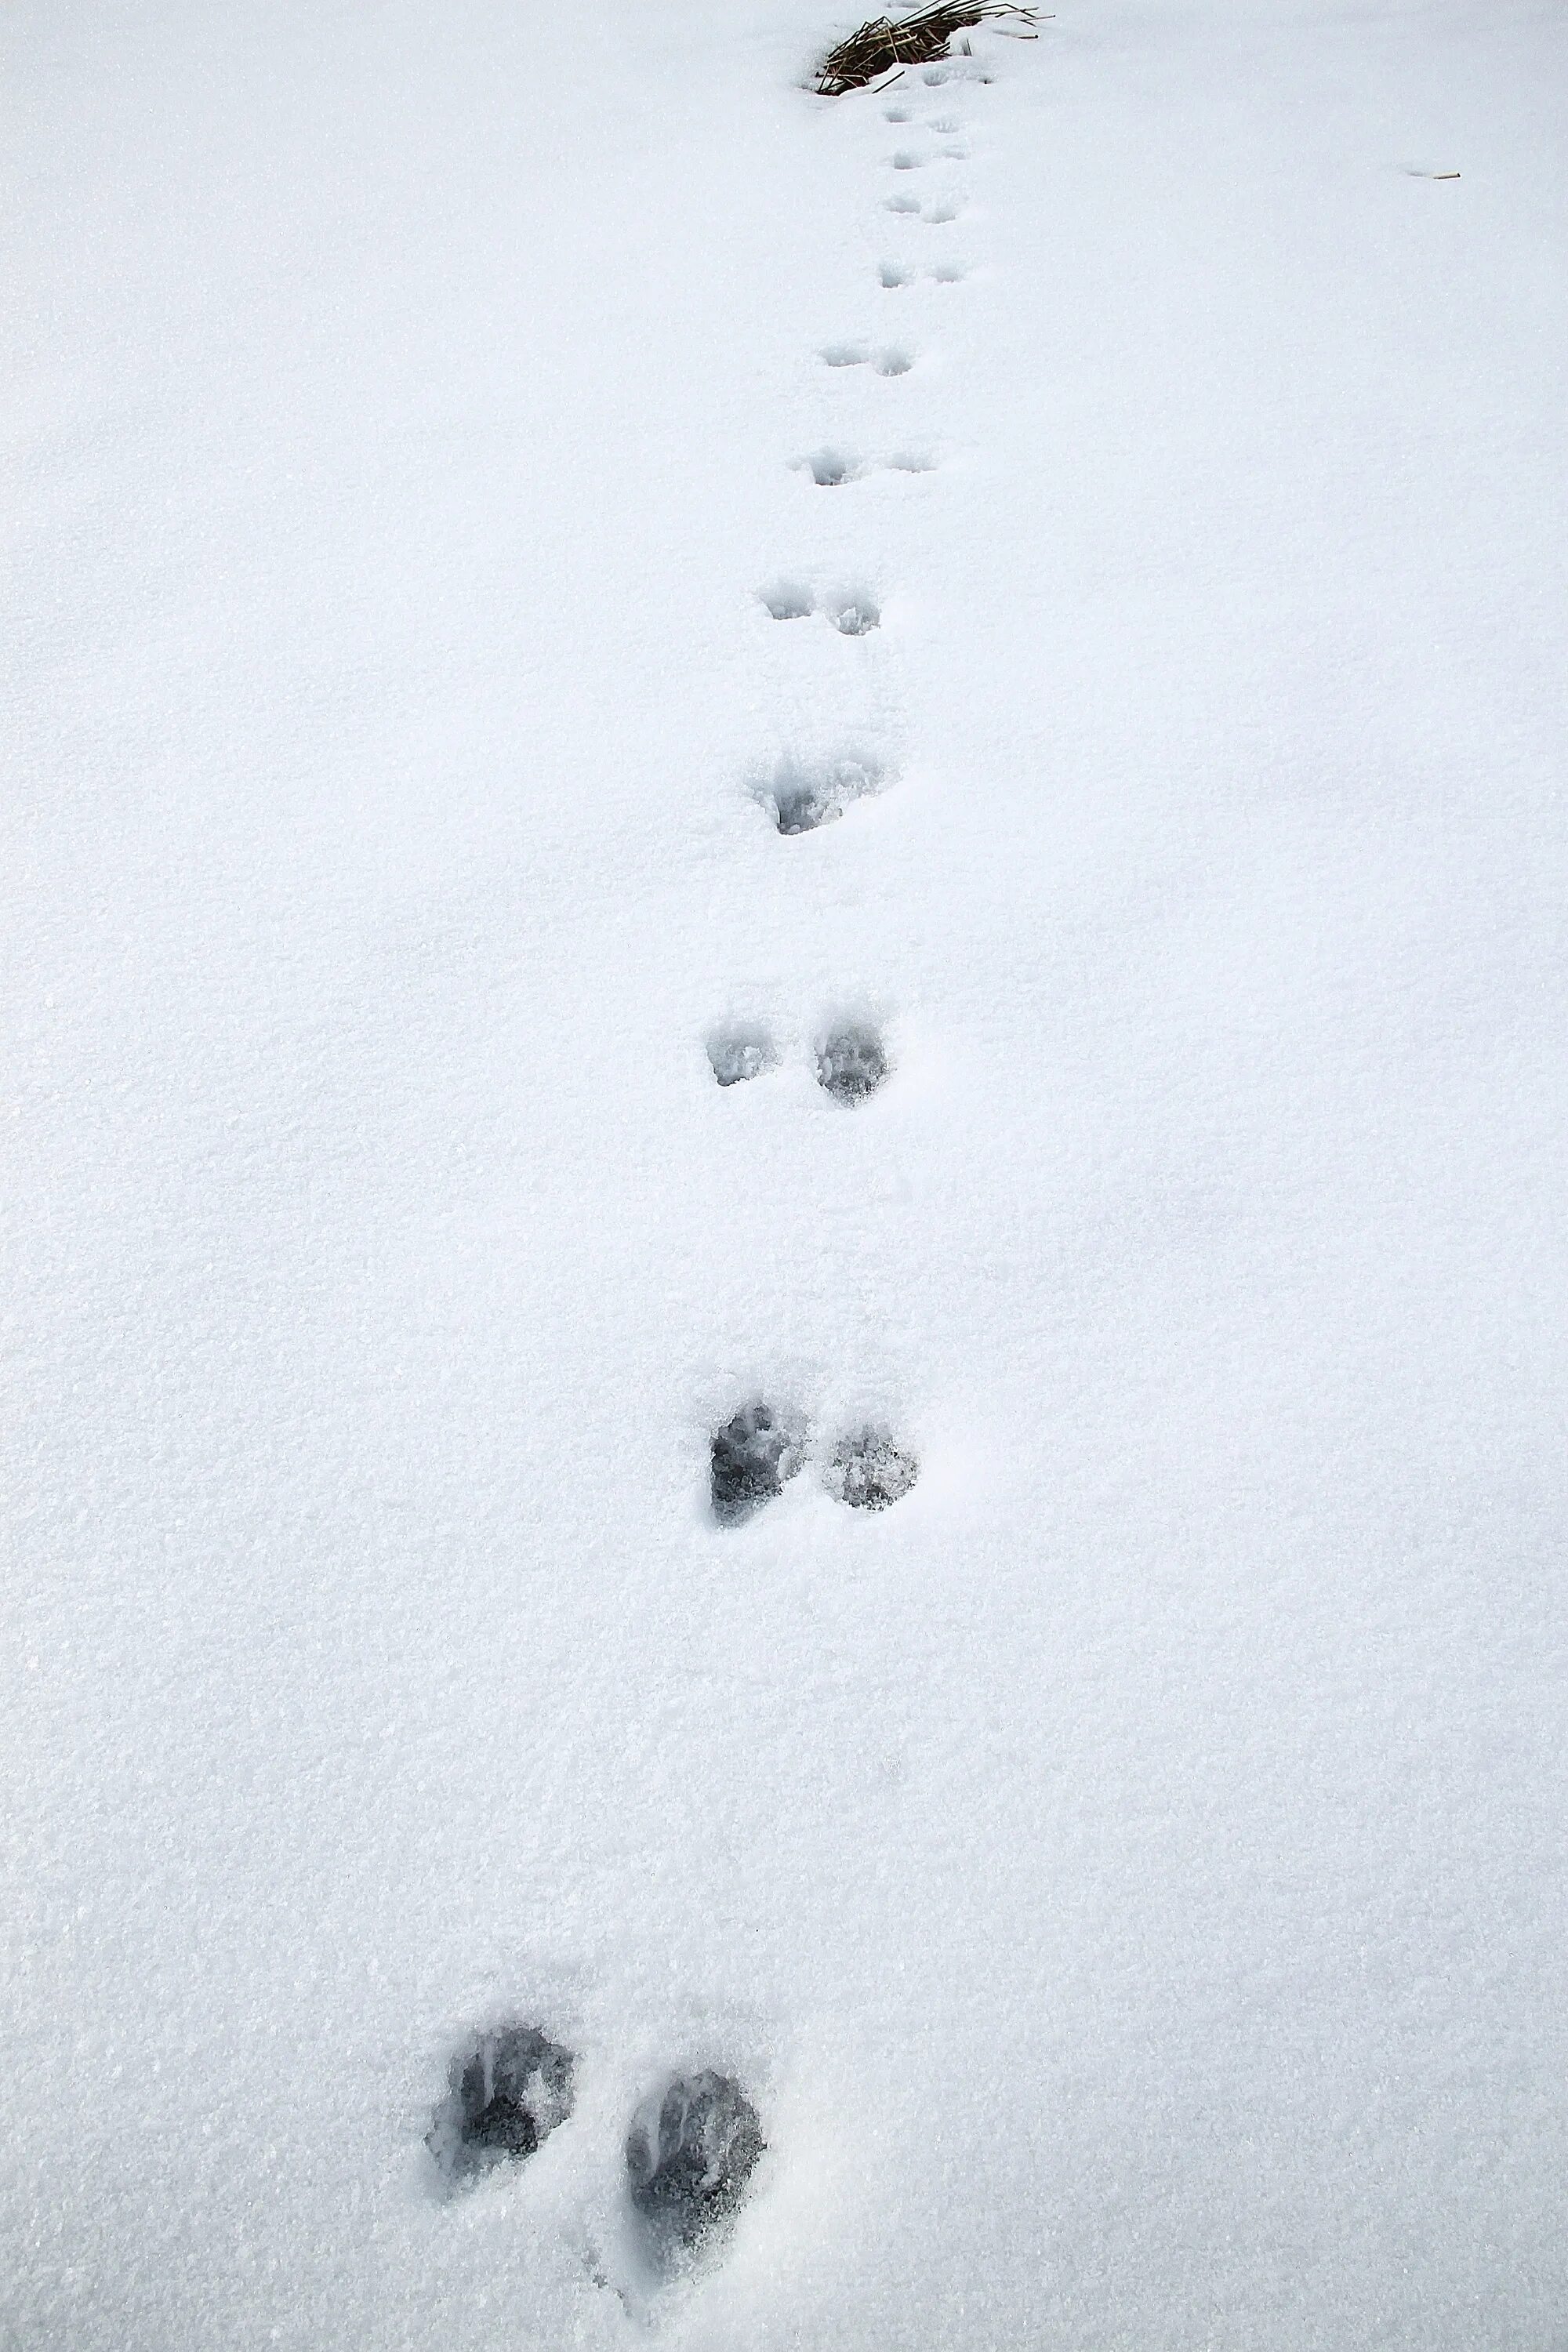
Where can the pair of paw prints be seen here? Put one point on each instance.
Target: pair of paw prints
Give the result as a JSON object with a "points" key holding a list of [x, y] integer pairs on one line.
{"points": [[903, 273], [889, 361], [960, 67], [853, 612], [830, 468], [936, 216], [850, 1061], [689, 2153], [908, 159], [762, 1446]]}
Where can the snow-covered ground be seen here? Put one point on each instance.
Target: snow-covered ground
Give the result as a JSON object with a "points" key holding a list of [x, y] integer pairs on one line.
{"points": [[1126, 1874]]}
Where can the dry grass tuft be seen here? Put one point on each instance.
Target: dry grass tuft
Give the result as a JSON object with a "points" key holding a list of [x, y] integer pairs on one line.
{"points": [[885, 42]]}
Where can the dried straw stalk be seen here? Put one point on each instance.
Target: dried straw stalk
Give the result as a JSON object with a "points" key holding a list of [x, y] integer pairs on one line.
{"points": [[887, 42]]}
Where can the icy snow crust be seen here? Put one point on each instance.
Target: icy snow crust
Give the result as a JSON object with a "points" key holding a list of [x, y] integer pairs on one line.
{"points": [[1123, 1878]]}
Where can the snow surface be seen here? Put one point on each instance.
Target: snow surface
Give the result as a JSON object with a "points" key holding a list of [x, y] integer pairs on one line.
{"points": [[1128, 1872]]}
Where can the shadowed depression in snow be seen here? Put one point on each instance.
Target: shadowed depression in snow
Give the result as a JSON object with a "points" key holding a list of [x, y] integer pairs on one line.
{"points": [[851, 1062], [868, 1470], [751, 1457], [738, 1054], [805, 795], [688, 2161], [509, 2092]]}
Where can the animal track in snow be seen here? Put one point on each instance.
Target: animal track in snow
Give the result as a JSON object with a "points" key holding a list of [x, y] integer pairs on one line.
{"points": [[688, 2164], [803, 795], [787, 601], [830, 468], [905, 159], [510, 2090], [934, 216], [851, 1062], [757, 1449], [896, 114], [889, 360], [870, 1471], [740, 1054], [903, 273], [853, 612]]}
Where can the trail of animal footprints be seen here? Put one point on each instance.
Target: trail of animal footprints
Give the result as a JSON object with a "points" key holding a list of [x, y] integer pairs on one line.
{"points": [[694, 2144]]}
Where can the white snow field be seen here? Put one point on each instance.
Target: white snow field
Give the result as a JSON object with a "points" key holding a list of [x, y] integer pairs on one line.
{"points": [[1126, 1875]]}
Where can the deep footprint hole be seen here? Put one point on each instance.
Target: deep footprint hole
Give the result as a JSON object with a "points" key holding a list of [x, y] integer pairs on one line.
{"points": [[738, 1054], [805, 795], [851, 1062], [854, 612], [509, 2090], [786, 600], [830, 468], [750, 1459], [688, 2164], [870, 1471], [894, 273], [843, 355]]}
